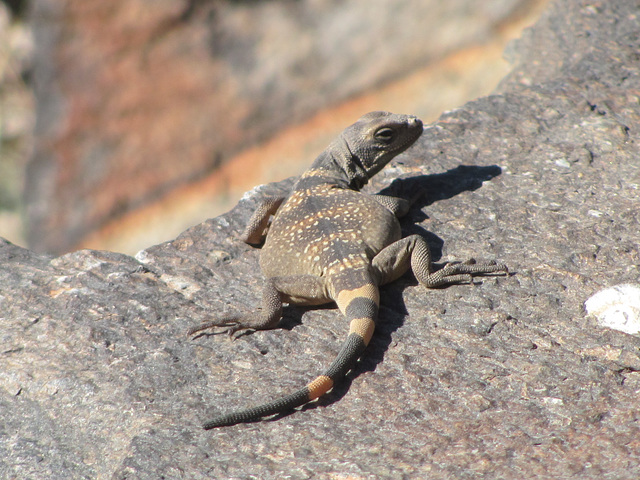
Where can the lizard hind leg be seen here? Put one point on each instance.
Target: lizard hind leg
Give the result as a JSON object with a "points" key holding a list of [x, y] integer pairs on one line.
{"points": [[413, 251], [462, 272], [264, 318]]}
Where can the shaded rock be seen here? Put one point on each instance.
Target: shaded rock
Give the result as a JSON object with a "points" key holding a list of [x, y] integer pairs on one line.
{"points": [[483, 381], [137, 97]]}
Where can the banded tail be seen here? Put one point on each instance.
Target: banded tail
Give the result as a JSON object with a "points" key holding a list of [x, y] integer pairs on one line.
{"points": [[360, 306]]}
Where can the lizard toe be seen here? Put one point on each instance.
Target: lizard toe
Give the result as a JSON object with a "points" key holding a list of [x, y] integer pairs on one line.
{"points": [[229, 324]]}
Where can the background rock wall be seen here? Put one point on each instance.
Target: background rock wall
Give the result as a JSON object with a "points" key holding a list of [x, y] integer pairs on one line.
{"points": [[137, 97]]}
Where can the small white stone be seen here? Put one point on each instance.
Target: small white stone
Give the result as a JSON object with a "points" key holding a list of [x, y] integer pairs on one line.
{"points": [[142, 256], [617, 307]]}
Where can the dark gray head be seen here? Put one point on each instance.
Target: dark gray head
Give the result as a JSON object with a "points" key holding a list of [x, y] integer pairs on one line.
{"points": [[365, 147]]}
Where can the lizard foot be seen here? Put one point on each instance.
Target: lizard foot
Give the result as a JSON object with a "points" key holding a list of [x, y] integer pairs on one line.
{"points": [[256, 320], [463, 272], [230, 326]]}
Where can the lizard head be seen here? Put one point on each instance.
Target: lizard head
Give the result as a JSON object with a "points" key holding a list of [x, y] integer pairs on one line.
{"points": [[365, 147], [374, 140]]}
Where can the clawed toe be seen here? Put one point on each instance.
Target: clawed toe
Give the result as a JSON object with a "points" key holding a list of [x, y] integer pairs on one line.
{"points": [[462, 272], [449, 278], [472, 267], [492, 267], [229, 326]]}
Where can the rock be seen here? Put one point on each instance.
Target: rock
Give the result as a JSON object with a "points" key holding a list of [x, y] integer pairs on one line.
{"points": [[137, 97], [485, 381]]}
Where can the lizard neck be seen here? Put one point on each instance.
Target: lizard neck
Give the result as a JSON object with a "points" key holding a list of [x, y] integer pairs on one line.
{"points": [[339, 166]]}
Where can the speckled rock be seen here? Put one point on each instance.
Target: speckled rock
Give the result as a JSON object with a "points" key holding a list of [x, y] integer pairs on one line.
{"points": [[505, 379]]}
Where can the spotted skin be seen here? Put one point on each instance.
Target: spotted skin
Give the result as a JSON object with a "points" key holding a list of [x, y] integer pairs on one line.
{"points": [[328, 242]]}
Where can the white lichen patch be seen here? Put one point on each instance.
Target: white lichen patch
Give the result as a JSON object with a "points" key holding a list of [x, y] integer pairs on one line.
{"points": [[617, 307]]}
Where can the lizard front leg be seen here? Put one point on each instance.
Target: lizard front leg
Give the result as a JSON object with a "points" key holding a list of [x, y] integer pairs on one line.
{"points": [[256, 229], [413, 251], [398, 206]]}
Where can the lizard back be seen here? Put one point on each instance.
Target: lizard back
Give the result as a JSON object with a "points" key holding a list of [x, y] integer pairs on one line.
{"points": [[324, 228]]}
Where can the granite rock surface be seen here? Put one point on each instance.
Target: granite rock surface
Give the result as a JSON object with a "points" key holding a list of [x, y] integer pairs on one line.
{"points": [[505, 379]]}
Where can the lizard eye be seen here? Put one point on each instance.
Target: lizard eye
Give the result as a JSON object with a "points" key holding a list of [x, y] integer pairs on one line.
{"points": [[385, 135]]}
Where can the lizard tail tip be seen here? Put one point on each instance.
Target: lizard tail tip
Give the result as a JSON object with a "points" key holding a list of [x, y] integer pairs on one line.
{"points": [[221, 421]]}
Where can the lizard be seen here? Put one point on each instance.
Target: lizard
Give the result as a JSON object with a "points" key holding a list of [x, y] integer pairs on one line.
{"points": [[328, 242]]}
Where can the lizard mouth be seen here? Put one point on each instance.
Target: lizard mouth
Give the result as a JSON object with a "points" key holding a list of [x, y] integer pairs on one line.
{"points": [[413, 131], [415, 128]]}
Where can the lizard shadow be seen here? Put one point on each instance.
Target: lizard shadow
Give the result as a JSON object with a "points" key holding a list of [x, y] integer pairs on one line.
{"points": [[440, 186], [423, 190]]}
